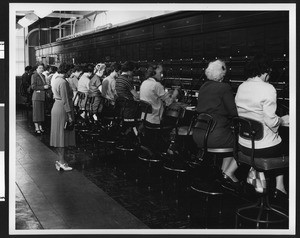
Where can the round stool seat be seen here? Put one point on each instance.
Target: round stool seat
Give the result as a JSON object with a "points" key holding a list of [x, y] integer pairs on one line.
{"points": [[207, 188], [125, 148], [220, 150], [175, 168], [184, 131]]}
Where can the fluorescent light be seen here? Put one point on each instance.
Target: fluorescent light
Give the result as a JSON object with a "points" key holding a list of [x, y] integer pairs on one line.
{"points": [[28, 19], [41, 13]]}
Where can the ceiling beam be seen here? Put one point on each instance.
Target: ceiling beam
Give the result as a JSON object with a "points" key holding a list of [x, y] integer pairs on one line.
{"points": [[65, 15]]}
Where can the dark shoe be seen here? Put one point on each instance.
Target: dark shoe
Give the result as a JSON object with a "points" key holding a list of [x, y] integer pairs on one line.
{"points": [[228, 183], [42, 130], [279, 195]]}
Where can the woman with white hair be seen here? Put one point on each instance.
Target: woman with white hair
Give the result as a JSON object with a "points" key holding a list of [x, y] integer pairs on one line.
{"points": [[216, 98]]}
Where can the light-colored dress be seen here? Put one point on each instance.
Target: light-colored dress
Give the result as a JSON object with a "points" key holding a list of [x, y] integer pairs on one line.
{"points": [[62, 93]]}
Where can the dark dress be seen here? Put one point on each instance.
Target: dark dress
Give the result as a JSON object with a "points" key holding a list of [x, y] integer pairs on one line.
{"points": [[216, 99], [38, 82]]}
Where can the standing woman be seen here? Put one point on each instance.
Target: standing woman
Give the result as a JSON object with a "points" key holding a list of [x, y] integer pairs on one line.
{"points": [[61, 113], [39, 85]]}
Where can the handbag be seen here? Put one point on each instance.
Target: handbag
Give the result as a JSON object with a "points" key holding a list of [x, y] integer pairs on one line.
{"points": [[69, 126], [257, 179]]}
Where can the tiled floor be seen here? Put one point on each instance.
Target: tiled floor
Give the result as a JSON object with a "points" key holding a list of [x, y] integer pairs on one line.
{"points": [[59, 200], [105, 192]]}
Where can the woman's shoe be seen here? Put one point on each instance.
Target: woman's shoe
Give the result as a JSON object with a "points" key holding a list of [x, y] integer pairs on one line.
{"points": [[227, 182], [42, 130], [38, 132], [65, 167], [57, 165], [279, 195]]}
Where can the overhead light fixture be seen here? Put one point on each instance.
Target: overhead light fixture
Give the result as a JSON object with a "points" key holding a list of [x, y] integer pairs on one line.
{"points": [[28, 19], [41, 13]]}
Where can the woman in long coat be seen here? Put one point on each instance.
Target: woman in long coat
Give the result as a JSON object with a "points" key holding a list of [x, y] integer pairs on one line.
{"points": [[39, 85], [62, 112]]}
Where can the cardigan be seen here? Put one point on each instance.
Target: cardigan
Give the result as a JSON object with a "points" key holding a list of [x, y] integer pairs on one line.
{"points": [[256, 99]]}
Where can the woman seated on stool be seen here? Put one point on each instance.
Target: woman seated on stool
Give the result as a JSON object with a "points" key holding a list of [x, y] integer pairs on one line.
{"points": [[216, 98], [256, 99], [153, 91]]}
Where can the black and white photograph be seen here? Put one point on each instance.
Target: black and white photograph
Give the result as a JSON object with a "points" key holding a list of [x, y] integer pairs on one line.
{"points": [[161, 119]]}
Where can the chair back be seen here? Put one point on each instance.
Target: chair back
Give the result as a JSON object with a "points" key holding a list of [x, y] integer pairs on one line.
{"points": [[248, 129], [173, 114], [77, 101], [206, 123], [144, 107]]}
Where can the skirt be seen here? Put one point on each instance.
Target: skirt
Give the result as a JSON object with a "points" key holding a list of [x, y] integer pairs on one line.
{"points": [[219, 138], [38, 111], [59, 137]]}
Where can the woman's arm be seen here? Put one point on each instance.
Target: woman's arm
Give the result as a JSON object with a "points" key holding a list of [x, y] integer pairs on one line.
{"points": [[269, 108], [228, 100], [63, 91]]}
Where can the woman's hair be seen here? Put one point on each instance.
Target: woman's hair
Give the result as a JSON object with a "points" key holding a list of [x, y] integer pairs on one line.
{"points": [[28, 68], [259, 65], [99, 67], [77, 68], [150, 72], [88, 68], [64, 68], [128, 66], [39, 63], [216, 70], [53, 69], [113, 67]]}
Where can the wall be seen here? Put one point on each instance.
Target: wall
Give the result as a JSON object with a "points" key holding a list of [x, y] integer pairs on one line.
{"points": [[20, 52]]}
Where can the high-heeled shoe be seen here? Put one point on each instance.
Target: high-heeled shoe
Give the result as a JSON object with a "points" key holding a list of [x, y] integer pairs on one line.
{"points": [[42, 130], [65, 167], [38, 132], [227, 182]]}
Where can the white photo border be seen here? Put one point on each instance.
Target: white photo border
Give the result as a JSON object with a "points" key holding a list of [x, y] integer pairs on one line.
{"points": [[290, 7]]}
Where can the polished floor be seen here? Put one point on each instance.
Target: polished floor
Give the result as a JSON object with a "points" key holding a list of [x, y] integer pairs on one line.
{"points": [[108, 191]]}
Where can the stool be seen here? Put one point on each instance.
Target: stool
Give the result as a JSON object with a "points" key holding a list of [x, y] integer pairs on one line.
{"points": [[261, 212], [209, 187]]}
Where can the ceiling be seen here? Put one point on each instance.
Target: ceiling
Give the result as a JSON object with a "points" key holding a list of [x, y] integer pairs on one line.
{"points": [[59, 15]]}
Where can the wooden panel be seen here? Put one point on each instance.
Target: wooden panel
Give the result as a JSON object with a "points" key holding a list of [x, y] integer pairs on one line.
{"points": [[158, 50], [150, 51], [176, 48], [123, 55], [187, 47], [275, 44], [198, 43], [238, 42], [129, 52], [135, 52], [255, 40], [210, 46], [223, 43], [176, 27], [143, 51]]}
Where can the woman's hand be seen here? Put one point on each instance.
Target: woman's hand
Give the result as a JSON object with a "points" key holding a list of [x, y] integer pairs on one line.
{"points": [[285, 120], [70, 119], [46, 86]]}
